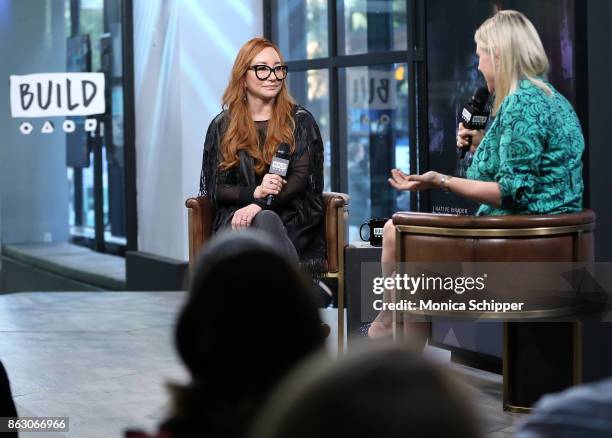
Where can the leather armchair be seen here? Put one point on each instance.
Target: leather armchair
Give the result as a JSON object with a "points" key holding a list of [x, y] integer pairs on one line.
{"points": [[524, 238], [531, 350], [201, 213]]}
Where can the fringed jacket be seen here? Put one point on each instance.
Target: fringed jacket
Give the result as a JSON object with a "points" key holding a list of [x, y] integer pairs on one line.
{"points": [[299, 205]]}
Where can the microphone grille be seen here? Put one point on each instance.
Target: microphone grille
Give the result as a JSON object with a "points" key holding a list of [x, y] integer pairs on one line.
{"points": [[481, 95], [283, 149]]}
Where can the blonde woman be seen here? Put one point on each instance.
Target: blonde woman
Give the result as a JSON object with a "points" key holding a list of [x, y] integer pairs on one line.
{"points": [[529, 161]]}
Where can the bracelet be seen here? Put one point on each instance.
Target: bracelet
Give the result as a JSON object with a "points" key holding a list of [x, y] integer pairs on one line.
{"points": [[444, 180]]}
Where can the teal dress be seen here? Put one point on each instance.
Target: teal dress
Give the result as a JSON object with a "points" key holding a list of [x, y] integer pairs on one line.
{"points": [[533, 150]]}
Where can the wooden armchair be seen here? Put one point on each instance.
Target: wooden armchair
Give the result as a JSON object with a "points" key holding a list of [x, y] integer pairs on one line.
{"points": [[200, 217]]}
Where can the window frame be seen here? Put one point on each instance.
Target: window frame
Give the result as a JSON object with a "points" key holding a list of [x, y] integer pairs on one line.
{"points": [[413, 57], [98, 241]]}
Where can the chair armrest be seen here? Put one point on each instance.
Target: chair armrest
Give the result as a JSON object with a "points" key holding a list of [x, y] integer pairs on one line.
{"points": [[200, 216], [336, 214], [585, 217], [519, 238]]}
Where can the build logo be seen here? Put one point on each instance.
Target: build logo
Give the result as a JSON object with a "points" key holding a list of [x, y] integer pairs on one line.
{"points": [[46, 95]]}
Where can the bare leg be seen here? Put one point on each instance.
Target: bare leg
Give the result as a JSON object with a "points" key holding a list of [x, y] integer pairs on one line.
{"points": [[382, 326], [414, 332]]}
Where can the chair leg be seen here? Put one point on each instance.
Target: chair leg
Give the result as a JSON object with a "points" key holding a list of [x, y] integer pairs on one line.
{"points": [[340, 313]]}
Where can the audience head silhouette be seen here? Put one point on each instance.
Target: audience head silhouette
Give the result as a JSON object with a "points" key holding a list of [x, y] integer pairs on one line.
{"points": [[249, 319], [387, 391]]}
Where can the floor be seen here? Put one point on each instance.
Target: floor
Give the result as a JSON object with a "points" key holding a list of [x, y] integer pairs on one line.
{"points": [[102, 358]]}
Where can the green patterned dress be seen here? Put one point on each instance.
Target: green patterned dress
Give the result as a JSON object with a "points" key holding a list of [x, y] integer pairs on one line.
{"points": [[533, 150]]}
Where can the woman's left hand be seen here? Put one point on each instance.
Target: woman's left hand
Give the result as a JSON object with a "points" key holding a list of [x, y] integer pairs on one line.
{"points": [[414, 183], [242, 218]]}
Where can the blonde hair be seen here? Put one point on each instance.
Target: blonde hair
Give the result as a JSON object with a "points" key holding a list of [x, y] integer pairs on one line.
{"points": [[516, 52]]}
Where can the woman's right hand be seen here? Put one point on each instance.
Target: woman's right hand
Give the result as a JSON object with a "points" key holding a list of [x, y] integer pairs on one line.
{"points": [[414, 183], [462, 137], [271, 184]]}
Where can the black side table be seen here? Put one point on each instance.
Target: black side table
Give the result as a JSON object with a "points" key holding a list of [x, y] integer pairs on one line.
{"points": [[355, 254]]}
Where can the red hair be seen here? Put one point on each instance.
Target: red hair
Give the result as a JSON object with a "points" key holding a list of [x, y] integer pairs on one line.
{"points": [[241, 133]]}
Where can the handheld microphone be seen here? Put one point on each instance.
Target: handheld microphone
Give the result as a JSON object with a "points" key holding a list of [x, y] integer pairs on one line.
{"points": [[279, 166], [475, 114]]}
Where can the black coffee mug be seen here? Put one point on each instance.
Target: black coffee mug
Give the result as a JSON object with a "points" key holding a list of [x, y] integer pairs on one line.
{"points": [[376, 226]]}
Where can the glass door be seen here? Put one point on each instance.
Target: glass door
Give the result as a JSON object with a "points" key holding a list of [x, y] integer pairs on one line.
{"points": [[96, 161]]}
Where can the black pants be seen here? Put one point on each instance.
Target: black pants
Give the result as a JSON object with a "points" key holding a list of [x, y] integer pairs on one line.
{"points": [[271, 223]]}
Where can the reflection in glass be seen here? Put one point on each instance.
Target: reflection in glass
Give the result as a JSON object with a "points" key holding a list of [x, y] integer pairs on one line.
{"points": [[114, 151], [300, 28], [88, 195], [71, 207], [366, 26], [311, 89], [117, 123], [91, 22], [377, 139], [98, 47]]}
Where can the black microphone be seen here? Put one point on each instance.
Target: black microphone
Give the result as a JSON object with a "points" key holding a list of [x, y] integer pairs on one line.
{"points": [[279, 166], [475, 114]]}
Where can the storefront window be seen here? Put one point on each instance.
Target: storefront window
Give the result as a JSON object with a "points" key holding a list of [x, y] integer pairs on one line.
{"points": [[301, 28], [311, 89], [96, 165], [358, 92], [366, 26], [377, 136]]}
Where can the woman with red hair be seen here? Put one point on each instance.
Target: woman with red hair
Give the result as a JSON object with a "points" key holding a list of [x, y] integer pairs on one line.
{"points": [[258, 115]]}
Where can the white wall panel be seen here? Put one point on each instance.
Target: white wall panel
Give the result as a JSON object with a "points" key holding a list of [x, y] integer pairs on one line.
{"points": [[183, 51]]}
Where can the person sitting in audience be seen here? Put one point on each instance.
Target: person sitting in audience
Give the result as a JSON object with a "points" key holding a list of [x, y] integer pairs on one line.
{"points": [[249, 319], [582, 411], [387, 392], [7, 405]]}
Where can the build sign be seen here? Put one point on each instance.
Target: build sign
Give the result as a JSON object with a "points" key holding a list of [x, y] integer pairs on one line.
{"points": [[57, 95]]}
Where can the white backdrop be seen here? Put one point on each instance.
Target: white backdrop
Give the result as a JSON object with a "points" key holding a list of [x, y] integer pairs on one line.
{"points": [[183, 53]]}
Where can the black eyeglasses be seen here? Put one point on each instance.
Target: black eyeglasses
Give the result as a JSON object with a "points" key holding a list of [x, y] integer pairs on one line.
{"points": [[263, 72]]}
